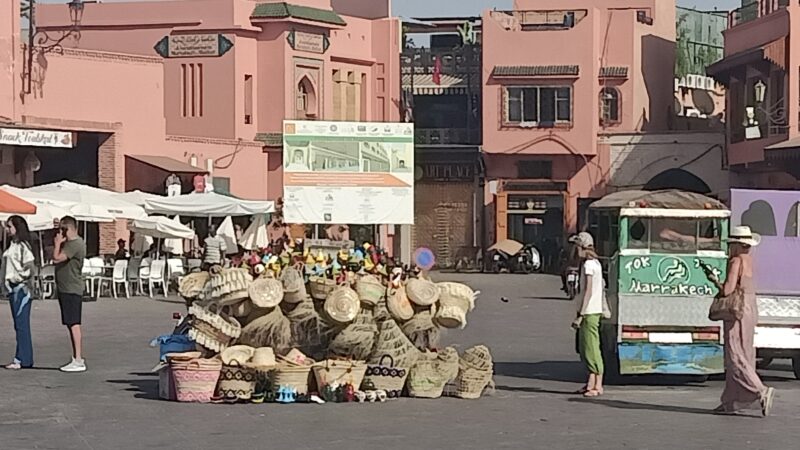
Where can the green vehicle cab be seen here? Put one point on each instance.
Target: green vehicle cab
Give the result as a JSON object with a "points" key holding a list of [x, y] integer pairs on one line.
{"points": [[654, 247]]}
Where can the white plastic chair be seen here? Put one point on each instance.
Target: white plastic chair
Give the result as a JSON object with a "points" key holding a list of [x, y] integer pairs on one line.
{"points": [[119, 276], [144, 274], [133, 273], [47, 277], [176, 270], [157, 276], [86, 271]]}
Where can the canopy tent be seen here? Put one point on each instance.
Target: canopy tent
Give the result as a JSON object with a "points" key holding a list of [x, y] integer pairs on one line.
{"points": [[207, 205], [12, 204], [79, 194], [256, 236], [161, 228], [46, 214], [136, 197]]}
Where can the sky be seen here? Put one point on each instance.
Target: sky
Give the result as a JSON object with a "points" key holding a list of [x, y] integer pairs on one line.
{"points": [[439, 8]]}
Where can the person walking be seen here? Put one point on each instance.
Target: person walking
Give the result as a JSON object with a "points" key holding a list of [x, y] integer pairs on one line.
{"points": [[17, 272], [590, 312], [70, 251], [743, 387], [213, 249]]}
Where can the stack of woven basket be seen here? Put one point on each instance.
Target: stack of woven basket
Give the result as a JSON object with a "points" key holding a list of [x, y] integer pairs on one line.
{"points": [[475, 371]]}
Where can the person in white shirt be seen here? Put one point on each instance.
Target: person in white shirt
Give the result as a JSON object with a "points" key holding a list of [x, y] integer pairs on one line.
{"points": [[17, 267], [590, 313]]}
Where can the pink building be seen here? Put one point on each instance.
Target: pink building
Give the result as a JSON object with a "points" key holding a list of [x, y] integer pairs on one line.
{"points": [[762, 54], [152, 88], [559, 76]]}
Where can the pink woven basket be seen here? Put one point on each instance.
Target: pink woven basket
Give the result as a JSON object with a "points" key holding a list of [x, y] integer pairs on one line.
{"points": [[196, 380]]}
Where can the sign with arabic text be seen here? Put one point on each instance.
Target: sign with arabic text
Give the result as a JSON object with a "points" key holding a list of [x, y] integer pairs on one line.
{"points": [[668, 275], [193, 46], [308, 42], [36, 138]]}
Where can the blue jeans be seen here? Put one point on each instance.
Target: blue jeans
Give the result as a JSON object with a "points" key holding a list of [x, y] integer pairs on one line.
{"points": [[20, 301]]}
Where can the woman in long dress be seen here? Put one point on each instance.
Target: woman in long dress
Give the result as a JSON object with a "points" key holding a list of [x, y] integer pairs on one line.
{"points": [[743, 387]]}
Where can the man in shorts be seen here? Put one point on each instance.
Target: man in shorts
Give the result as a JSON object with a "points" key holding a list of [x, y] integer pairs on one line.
{"points": [[69, 253]]}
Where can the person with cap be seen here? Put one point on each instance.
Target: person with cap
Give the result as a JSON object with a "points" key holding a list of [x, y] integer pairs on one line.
{"points": [[743, 387], [590, 312]]}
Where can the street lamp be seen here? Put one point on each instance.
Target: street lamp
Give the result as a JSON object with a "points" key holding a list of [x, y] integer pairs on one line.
{"points": [[41, 42], [760, 90]]}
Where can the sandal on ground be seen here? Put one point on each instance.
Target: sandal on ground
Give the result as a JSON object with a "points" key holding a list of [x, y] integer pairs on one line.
{"points": [[766, 402], [591, 393], [14, 366]]}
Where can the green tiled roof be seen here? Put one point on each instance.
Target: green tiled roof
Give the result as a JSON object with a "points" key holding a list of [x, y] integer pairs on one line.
{"points": [[287, 10], [270, 139]]}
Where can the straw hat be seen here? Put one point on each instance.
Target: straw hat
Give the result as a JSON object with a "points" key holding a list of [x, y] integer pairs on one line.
{"points": [[342, 305], [745, 236], [266, 292], [237, 355], [263, 358]]}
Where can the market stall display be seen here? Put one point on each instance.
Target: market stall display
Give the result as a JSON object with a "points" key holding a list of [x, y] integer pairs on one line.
{"points": [[337, 331]]}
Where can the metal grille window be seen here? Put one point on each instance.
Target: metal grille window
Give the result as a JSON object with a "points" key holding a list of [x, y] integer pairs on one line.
{"points": [[538, 106], [609, 105]]}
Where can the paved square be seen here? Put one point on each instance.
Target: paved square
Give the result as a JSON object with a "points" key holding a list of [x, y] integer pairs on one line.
{"points": [[114, 405]]}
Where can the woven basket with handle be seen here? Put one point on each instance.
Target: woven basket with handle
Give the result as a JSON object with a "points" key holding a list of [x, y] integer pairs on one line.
{"points": [[385, 376]]}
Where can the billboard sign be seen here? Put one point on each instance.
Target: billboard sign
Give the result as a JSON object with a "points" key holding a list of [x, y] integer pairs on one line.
{"points": [[357, 173]]}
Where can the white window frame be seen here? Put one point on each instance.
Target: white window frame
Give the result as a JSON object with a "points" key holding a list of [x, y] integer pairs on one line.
{"points": [[537, 122]]}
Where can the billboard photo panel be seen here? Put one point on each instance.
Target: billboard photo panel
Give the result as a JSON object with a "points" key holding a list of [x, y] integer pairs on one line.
{"points": [[358, 173]]}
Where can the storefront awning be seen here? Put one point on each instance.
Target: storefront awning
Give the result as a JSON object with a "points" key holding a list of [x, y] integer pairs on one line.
{"points": [[448, 84], [168, 164], [774, 52]]}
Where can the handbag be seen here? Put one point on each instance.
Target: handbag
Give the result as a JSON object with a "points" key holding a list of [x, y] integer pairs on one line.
{"points": [[731, 307]]}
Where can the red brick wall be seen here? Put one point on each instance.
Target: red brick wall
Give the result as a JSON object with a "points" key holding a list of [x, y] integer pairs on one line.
{"points": [[111, 176]]}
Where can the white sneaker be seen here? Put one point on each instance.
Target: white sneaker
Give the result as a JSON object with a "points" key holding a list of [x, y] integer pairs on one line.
{"points": [[77, 365]]}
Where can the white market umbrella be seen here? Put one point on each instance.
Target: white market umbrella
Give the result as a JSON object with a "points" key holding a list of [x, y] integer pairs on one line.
{"points": [[46, 213], [136, 197], [228, 233], [79, 194], [256, 236], [161, 228], [207, 205], [175, 246]]}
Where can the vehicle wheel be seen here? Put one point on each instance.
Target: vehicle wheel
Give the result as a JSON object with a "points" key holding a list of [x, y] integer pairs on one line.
{"points": [[571, 292], [763, 363], [495, 268], [796, 366]]}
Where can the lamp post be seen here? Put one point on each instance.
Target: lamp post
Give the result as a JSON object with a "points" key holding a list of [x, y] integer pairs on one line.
{"points": [[41, 42], [760, 91]]}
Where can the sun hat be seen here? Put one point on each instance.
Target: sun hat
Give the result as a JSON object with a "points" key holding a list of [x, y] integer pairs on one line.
{"points": [[583, 240], [263, 357], [744, 235]]}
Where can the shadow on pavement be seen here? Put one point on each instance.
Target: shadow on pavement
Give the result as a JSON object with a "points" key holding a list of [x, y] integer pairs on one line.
{"points": [[650, 407], [533, 390], [567, 371], [145, 387], [553, 299]]}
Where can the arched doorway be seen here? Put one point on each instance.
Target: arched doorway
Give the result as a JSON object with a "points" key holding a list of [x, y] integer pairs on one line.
{"points": [[306, 99], [677, 179]]}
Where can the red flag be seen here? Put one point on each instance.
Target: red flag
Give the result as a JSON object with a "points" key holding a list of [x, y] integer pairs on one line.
{"points": [[437, 71]]}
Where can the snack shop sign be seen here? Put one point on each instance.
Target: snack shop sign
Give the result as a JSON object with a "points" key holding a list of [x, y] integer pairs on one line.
{"points": [[36, 138]]}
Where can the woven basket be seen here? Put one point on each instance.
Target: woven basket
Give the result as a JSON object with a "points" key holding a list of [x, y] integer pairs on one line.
{"points": [[478, 358], [294, 288], [459, 291], [195, 380], [370, 290], [392, 342], [294, 376], [422, 292], [451, 317], [357, 340], [230, 285], [342, 305], [427, 379], [339, 372], [320, 287], [211, 330], [398, 304], [237, 381], [470, 383], [266, 292], [240, 310], [386, 377], [193, 285]]}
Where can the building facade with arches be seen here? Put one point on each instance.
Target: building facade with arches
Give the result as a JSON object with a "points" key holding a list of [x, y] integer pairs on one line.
{"points": [[593, 75]]}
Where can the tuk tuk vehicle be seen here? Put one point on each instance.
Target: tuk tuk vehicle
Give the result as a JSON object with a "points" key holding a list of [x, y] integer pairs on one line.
{"points": [[774, 215], [654, 247]]}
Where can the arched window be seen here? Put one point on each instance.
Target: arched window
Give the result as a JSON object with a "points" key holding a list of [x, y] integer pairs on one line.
{"points": [[609, 105], [306, 99]]}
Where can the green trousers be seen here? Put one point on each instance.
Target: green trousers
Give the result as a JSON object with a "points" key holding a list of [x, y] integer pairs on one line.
{"points": [[589, 343]]}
